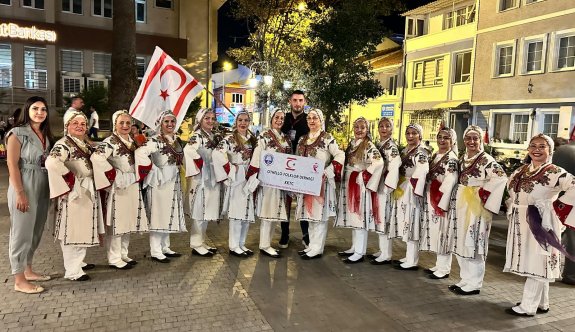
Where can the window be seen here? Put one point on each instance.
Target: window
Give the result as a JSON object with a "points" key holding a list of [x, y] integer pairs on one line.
{"points": [[533, 51], [392, 87], [72, 6], [520, 126], [237, 98], [532, 1], [6, 2], [459, 17], [462, 67], [164, 4], [428, 73], [504, 59], [428, 122], [71, 61], [5, 65], [508, 4], [566, 58], [35, 71], [71, 85], [37, 4], [551, 125], [102, 8], [102, 64], [415, 27], [534, 56], [95, 83], [140, 67], [140, 11]]}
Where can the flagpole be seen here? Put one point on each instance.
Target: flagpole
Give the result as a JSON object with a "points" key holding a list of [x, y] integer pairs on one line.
{"points": [[218, 99]]}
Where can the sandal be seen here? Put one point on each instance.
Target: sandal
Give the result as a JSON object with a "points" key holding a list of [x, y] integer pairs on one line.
{"points": [[39, 278], [35, 290]]}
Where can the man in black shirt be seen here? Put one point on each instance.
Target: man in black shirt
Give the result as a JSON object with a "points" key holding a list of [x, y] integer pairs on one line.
{"points": [[295, 126]]}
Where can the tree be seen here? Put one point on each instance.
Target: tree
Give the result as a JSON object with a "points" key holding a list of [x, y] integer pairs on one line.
{"points": [[124, 83], [336, 68]]}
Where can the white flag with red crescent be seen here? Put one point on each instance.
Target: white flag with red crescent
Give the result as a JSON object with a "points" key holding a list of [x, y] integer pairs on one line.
{"points": [[165, 86]]}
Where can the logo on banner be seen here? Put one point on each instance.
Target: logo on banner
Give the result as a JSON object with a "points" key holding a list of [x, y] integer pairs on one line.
{"points": [[315, 166], [268, 159], [290, 163]]}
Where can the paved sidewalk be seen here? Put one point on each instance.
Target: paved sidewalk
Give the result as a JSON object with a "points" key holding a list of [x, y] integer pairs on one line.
{"points": [[226, 293]]}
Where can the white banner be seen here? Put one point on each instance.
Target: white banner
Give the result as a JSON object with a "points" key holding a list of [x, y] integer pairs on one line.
{"points": [[291, 173]]}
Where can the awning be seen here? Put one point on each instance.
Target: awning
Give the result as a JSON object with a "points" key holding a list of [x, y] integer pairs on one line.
{"points": [[452, 104]]}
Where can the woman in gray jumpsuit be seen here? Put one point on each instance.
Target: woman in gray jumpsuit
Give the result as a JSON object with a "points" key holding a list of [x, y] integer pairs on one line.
{"points": [[28, 144]]}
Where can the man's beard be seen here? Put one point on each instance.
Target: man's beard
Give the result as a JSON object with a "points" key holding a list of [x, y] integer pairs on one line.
{"points": [[297, 111]]}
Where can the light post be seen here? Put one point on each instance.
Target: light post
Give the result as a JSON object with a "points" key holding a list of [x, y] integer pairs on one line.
{"points": [[227, 66], [268, 80]]}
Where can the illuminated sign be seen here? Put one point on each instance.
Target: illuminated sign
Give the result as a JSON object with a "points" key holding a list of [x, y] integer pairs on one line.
{"points": [[12, 30]]}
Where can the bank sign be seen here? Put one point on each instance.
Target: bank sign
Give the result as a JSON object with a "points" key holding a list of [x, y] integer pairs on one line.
{"points": [[12, 30], [387, 110]]}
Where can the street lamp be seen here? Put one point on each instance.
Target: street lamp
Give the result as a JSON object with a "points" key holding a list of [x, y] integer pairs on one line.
{"points": [[226, 66]]}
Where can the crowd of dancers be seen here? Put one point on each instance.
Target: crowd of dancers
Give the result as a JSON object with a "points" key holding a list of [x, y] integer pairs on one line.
{"points": [[441, 203]]}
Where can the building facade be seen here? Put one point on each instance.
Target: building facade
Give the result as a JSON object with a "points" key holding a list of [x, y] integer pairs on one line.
{"points": [[439, 52], [525, 68], [57, 48]]}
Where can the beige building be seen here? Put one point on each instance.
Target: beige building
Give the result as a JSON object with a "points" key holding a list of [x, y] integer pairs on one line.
{"points": [[57, 48], [524, 70], [439, 52]]}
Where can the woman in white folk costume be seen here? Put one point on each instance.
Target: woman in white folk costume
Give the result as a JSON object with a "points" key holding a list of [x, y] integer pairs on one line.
{"points": [[318, 209], [407, 214], [390, 177], [535, 215], [79, 220], [158, 162], [231, 163], [28, 145], [441, 180], [358, 206], [479, 194], [205, 191], [114, 171], [271, 203]]}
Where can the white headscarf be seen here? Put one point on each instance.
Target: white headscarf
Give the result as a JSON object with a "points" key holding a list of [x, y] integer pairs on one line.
{"points": [[235, 125], [274, 113], [319, 114], [161, 117], [549, 141], [200, 116], [417, 127], [479, 132], [453, 136], [115, 117], [361, 118], [69, 116]]}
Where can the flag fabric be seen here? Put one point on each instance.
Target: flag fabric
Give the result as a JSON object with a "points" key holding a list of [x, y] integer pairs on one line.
{"points": [[166, 86], [486, 136], [572, 137]]}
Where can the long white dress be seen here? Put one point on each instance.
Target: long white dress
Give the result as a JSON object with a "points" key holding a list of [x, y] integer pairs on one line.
{"points": [[231, 162], [318, 209], [79, 219], [158, 162], [479, 194], [205, 191], [534, 212], [441, 180], [115, 173], [271, 203]]}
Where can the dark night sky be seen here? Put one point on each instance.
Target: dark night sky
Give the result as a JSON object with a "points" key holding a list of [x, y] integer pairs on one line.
{"points": [[232, 33]]}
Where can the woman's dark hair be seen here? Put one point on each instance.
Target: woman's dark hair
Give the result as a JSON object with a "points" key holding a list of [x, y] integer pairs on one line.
{"points": [[24, 119], [16, 116]]}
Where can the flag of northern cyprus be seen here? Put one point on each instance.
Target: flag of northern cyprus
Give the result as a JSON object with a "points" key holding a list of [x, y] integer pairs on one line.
{"points": [[165, 86]]}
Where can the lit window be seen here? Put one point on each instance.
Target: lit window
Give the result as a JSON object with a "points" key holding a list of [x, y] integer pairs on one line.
{"points": [[141, 11], [164, 4], [520, 126], [428, 73], [72, 6], [102, 64], [71, 61], [37, 4], [551, 125], [510, 127], [462, 67], [35, 69], [5, 66], [102, 8]]}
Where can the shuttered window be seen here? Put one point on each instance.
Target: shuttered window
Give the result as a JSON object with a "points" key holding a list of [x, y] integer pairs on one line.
{"points": [[428, 73], [71, 61], [5, 66], [35, 70], [102, 63]]}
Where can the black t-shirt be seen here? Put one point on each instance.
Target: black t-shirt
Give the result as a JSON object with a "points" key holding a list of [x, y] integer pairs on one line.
{"points": [[298, 124]]}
